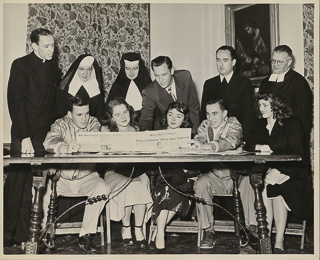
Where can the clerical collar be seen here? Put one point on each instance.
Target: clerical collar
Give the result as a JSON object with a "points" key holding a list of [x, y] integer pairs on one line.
{"points": [[228, 77], [43, 60], [278, 77]]}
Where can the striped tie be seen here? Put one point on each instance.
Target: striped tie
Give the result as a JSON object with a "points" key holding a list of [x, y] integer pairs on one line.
{"points": [[170, 92]]}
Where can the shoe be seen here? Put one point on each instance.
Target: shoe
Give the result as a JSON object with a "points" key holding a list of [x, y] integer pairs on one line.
{"points": [[86, 243], [141, 243], [126, 241], [8, 243], [209, 239], [253, 230], [152, 245], [253, 237], [161, 251], [277, 250]]}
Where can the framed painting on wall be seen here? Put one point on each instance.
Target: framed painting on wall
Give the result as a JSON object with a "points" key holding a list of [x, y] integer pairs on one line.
{"points": [[253, 30]]}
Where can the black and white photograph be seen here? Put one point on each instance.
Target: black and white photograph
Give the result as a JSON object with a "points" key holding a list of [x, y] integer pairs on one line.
{"points": [[151, 129]]}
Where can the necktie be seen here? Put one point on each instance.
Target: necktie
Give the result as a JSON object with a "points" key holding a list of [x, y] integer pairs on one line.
{"points": [[224, 82], [210, 133], [170, 92]]}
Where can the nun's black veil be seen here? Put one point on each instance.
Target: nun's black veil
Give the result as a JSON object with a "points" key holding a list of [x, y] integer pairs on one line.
{"points": [[97, 106], [122, 82]]}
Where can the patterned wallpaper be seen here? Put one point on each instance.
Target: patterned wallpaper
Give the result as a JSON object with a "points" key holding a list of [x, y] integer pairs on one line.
{"points": [[103, 30], [308, 35]]}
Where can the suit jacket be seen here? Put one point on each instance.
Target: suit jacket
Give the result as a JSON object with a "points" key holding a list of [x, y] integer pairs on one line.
{"points": [[156, 100], [295, 91], [31, 95], [239, 95]]}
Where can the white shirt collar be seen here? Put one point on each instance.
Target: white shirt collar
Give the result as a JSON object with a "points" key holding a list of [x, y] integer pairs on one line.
{"points": [[278, 77], [228, 77]]}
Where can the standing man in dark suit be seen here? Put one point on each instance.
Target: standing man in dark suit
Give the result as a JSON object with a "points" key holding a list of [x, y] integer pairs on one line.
{"points": [[236, 90], [31, 97], [169, 85], [289, 86]]}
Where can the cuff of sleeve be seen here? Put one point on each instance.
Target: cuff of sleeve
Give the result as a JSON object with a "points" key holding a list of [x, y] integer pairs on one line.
{"points": [[214, 146], [61, 148]]}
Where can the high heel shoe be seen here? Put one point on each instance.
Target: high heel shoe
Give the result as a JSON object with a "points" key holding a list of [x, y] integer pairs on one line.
{"points": [[141, 243], [152, 245], [126, 241], [277, 250]]}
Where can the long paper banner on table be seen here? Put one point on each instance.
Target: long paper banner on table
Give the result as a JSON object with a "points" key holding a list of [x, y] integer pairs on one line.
{"points": [[148, 141]]}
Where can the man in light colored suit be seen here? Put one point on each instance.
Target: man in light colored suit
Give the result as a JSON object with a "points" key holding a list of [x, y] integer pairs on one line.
{"points": [[169, 85]]}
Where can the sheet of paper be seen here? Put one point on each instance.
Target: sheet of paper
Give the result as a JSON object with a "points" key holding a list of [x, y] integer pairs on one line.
{"points": [[148, 141]]}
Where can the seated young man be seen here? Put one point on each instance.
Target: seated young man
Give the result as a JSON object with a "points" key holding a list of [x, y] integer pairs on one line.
{"points": [[77, 178], [218, 133]]}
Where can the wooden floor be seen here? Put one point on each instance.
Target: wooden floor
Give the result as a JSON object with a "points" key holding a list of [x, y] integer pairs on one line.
{"points": [[181, 244]]}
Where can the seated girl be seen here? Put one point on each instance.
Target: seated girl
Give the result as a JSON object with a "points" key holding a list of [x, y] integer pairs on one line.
{"points": [[287, 186], [167, 202], [136, 196]]}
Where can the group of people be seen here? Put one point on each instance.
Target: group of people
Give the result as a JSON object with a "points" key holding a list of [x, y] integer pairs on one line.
{"points": [[47, 113]]}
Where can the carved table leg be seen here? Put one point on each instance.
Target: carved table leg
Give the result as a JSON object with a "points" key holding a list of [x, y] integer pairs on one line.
{"points": [[36, 211], [237, 203], [49, 231], [264, 240]]}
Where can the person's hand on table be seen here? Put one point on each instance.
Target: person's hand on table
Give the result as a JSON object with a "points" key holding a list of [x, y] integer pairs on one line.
{"points": [[198, 145], [264, 148], [26, 146], [73, 147]]}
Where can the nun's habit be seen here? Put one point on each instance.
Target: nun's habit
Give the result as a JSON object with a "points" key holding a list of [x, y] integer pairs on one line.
{"points": [[91, 90], [128, 89]]}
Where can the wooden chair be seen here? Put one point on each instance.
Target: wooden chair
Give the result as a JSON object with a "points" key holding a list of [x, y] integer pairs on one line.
{"points": [[220, 225], [296, 229], [75, 227]]}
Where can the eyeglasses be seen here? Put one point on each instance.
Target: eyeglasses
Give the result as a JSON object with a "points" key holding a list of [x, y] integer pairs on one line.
{"points": [[278, 62]]}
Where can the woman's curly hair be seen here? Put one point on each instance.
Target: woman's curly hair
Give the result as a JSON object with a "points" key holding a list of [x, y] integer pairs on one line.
{"points": [[280, 109], [182, 108], [107, 117]]}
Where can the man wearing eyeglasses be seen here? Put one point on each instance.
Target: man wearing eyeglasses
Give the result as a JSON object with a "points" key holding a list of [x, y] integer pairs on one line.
{"points": [[289, 85]]}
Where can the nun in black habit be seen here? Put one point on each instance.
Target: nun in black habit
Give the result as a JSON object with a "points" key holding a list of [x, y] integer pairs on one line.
{"points": [[83, 79], [131, 80]]}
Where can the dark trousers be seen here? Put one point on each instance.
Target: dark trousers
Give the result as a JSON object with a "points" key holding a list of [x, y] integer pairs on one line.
{"points": [[18, 190], [17, 203]]}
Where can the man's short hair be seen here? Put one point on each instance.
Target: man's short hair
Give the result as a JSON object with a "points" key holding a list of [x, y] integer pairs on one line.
{"points": [[76, 101], [222, 103], [232, 51], [156, 62], [284, 48], [35, 34]]}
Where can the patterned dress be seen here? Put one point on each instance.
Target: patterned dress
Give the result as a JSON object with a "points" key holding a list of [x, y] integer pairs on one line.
{"points": [[165, 198]]}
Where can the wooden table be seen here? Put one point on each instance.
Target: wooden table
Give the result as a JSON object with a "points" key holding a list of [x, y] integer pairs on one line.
{"points": [[257, 161]]}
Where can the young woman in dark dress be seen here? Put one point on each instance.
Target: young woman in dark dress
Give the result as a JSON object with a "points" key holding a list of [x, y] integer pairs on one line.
{"points": [[287, 186], [167, 202]]}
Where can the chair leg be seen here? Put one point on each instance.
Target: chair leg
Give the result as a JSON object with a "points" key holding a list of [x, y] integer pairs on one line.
{"points": [[102, 229], [108, 223], [144, 229], [303, 235], [150, 231], [200, 233]]}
